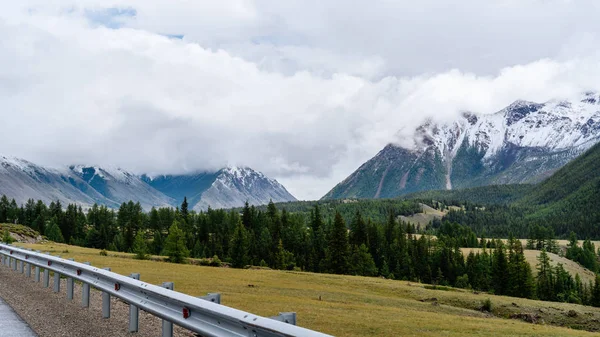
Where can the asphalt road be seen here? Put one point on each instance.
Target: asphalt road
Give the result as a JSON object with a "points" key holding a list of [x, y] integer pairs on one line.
{"points": [[11, 324]]}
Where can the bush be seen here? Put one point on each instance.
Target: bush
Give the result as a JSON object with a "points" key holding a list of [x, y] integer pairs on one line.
{"points": [[65, 251], [216, 262], [462, 281], [6, 238], [486, 305], [103, 253]]}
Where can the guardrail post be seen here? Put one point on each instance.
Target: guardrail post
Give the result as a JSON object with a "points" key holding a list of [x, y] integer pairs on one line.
{"points": [[167, 327], [134, 312], [28, 270], [212, 297], [37, 274], [106, 302], [70, 286], [15, 264], [286, 317], [22, 267], [85, 297], [46, 278]]}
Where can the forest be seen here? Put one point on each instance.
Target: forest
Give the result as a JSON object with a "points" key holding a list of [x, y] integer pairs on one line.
{"points": [[308, 240]]}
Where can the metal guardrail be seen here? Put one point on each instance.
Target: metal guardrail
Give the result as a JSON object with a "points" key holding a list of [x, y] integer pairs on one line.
{"points": [[201, 315]]}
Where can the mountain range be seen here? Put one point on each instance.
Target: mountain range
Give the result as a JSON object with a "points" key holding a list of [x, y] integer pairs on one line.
{"points": [[86, 185], [525, 142]]}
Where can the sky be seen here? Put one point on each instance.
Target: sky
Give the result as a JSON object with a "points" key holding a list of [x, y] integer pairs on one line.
{"points": [[303, 91]]}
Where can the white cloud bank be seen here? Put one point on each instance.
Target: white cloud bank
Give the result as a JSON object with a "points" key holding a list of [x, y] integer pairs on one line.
{"points": [[301, 91]]}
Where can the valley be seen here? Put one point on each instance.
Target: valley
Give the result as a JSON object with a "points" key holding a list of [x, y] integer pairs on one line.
{"points": [[354, 306]]}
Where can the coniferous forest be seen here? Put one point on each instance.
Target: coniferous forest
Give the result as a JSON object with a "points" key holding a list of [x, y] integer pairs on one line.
{"points": [[319, 238]]}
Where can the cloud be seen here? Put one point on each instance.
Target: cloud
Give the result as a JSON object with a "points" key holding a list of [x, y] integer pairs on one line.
{"points": [[304, 92]]}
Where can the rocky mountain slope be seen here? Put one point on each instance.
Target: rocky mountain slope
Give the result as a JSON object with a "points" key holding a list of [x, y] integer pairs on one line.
{"points": [[86, 185], [228, 187], [522, 143]]}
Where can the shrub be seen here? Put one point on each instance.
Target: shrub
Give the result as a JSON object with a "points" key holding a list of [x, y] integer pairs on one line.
{"points": [[216, 262], [103, 253], [6, 238], [486, 305]]}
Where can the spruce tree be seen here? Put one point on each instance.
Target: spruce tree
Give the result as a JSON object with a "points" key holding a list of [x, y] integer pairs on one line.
{"points": [[239, 247], [361, 262], [545, 277], [140, 248], [596, 292], [53, 233], [184, 210], [338, 247], [358, 230], [500, 272], [175, 246]]}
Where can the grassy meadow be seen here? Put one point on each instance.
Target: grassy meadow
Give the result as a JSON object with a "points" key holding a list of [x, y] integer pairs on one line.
{"points": [[350, 305]]}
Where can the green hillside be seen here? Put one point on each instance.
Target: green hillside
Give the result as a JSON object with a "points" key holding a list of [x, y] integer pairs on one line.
{"points": [[493, 194], [567, 201]]}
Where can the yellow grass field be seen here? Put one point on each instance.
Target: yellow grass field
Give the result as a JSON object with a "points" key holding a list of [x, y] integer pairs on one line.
{"points": [[349, 305], [531, 256]]}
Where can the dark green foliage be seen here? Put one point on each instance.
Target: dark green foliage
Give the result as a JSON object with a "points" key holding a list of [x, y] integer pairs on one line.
{"points": [[462, 282], [337, 250], [361, 262], [239, 247], [314, 237], [6, 238], [486, 305], [596, 292], [484, 195], [175, 247], [586, 255], [140, 247], [376, 210], [53, 232]]}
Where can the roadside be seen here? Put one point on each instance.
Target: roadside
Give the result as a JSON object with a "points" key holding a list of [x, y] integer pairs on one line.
{"points": [[50, 314]]}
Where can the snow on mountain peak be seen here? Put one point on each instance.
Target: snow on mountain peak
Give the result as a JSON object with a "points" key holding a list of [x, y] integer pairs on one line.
{"points": [[553, 125]]}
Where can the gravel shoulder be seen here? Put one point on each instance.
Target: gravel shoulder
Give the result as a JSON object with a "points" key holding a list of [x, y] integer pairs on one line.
{"points": [[50, 314]]}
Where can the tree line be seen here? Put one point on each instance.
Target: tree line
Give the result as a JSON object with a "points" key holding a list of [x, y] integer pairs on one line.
{"points": [[279, 239]]}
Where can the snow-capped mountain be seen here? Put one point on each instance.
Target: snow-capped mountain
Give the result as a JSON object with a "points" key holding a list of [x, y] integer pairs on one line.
{"points": [[86, 185], [522, 143], [118, 186], [22, 180], [228, 187]]}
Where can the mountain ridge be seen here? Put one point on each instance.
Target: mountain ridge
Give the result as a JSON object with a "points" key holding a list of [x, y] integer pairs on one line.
{"points": [[523, 143], [86, 185]]}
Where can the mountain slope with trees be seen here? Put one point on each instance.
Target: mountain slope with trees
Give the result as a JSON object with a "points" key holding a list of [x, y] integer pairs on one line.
{"points": [[523, 143]]}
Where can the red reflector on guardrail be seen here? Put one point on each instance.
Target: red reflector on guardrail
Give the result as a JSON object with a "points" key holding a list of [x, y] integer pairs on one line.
{"points": [[26, 257], [49, 263], [78, 272], [11, 252], [117, 286], [186, 313]]}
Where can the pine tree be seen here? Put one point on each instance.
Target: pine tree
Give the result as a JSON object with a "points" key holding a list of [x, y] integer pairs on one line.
{"points": [[140, 248], [337, 254], [361, 262], [184, 210], [596, 292], [175, 246], [545, 277], [239, 247], [53, 232], [500, 272], [358, 230]]}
